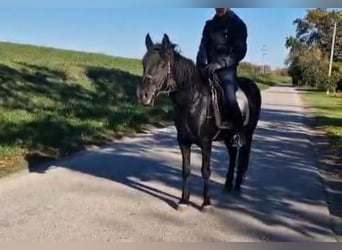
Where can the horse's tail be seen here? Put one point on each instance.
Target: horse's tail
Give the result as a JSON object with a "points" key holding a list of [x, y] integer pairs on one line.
{"points": [[253, 93]]}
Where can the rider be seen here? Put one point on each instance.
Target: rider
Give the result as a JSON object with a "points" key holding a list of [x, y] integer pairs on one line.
{"points": [[223, 45]]}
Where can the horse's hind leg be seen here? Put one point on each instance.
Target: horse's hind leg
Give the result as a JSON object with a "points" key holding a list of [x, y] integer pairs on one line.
{"points": [[230, 174], [243, 163]]}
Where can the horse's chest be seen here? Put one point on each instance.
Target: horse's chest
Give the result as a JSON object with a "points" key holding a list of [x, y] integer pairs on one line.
{"points": [[190, 125], [187, 127]]}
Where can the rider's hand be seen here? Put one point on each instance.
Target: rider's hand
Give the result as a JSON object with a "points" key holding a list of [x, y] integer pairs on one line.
{"points": [[212, 67]]}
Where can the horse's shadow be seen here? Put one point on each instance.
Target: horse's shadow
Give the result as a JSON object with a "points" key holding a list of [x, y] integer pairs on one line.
{"points": [[268, 195], [136, 163]]}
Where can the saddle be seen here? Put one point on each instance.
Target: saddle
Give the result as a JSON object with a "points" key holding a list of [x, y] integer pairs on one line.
{"points": [[217, 99]]}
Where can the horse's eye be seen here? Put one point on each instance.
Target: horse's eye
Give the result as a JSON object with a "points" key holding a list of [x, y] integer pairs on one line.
{"points": [[163, 65]]}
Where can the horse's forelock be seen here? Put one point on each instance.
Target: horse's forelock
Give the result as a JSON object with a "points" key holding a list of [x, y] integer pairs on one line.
{"points": [[159, 47]]}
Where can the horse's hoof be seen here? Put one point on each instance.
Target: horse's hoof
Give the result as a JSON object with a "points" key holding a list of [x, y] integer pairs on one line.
{"points": [[182, 207], [207, 208]]}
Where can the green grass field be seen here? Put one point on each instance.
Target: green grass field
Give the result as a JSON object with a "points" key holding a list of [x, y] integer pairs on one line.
{"points": [[328, 113], [54, 102]]}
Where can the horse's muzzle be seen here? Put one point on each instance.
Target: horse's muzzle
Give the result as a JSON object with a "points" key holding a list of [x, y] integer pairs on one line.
{"points": [[144, 97]]}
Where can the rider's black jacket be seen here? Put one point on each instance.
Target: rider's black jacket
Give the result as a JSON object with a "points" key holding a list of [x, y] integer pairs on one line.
{"points": [[224, 41]]}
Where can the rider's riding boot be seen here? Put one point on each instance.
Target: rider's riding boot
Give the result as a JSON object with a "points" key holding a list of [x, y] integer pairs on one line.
{"points": [[231, 117], [238, 138]]}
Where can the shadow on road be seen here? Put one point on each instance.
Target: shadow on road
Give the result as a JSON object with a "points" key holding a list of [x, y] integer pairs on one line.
{"points": [[282, 188]]}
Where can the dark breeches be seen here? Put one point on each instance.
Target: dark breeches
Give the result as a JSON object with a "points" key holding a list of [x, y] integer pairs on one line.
{"points": [[228, 77]]}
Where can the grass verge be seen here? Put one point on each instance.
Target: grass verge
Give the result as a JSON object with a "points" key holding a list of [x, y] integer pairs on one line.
{"points": [[327, 111], [55, 102]]}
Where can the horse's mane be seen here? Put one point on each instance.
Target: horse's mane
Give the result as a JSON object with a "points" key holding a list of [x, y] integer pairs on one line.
{"points": [[186, 70]]}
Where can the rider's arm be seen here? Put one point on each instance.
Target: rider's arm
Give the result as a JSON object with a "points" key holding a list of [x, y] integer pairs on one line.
{"points": [[239, 46], [202, 57]]}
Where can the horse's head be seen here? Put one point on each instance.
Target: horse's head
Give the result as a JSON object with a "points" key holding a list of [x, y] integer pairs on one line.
{"points": [[157, 75]]}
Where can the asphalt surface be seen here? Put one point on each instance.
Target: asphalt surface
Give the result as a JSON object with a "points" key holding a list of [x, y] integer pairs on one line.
{"points": [[127, 191]]}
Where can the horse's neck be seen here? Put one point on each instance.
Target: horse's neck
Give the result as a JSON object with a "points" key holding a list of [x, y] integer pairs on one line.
{"points": [[185, 98], [190, 91]]}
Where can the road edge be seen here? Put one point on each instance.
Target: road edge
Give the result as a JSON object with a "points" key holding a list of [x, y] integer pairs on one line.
{"points": [[319, 142]]}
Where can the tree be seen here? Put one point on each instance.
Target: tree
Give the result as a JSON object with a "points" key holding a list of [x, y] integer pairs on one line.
{"points": [[316, 29], [309, 50]]}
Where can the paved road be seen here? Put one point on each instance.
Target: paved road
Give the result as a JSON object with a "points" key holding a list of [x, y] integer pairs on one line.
{"points": [[127, 191]]}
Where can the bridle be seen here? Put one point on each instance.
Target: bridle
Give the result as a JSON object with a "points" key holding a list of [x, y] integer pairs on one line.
{"points": [[165, 87], [168, 88]]}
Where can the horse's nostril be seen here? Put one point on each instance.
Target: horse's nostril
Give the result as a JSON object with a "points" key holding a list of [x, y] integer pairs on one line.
{"points": [[145, 95]]}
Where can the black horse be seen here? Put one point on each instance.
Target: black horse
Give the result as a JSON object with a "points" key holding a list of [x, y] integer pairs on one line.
{"points": [[168, 72]]}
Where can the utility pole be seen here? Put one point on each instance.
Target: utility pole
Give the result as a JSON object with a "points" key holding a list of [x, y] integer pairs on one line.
{"points": [[263, 54], [332, 49], [332, 53]]}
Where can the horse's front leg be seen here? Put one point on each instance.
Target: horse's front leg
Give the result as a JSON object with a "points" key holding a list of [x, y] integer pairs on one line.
{"points": [[206, 157], [186, 171]]}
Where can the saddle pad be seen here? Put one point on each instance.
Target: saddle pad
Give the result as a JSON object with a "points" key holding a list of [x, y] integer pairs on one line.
{"points": [[243, 105]]}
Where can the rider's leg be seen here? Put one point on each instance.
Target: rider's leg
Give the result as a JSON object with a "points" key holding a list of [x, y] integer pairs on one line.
{"points": [[229, 78], [230, 85]]}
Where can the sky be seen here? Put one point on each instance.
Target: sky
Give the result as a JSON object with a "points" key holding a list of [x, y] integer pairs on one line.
{"points": [[121, 31]]}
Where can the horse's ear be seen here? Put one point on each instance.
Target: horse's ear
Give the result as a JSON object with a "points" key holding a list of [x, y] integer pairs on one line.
{"points": [[148, 41], [166, 42]]}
